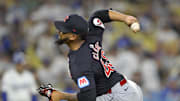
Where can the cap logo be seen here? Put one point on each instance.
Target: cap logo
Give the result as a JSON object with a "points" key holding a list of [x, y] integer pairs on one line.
{"points": [[74, 30], [66, 18]]}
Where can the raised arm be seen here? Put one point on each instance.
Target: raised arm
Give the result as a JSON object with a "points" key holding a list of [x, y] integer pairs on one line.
{"points": [[111, 15], [128, 19], [117, 16]]}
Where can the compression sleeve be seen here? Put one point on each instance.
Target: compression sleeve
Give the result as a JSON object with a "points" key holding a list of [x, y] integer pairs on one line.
{"points": [[103, 15]]}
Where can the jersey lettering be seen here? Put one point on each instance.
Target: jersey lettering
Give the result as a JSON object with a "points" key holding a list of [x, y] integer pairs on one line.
{"points": [[99, 54]]}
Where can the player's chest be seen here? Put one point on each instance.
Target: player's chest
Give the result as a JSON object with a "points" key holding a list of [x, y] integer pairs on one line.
{"points": [[20, 83]]}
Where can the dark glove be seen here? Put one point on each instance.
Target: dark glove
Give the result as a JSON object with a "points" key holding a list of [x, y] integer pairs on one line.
{"points": [[46, 90]]}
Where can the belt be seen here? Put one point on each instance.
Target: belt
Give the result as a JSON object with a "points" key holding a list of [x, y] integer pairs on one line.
{"points": [[122, 82]]}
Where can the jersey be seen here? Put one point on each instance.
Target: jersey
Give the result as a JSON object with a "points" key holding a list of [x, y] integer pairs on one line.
{"points": [[18, 87], [89, 67]]}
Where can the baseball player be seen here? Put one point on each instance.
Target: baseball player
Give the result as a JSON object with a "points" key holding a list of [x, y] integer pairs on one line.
{"points": [[17, 83], [89, 67]]}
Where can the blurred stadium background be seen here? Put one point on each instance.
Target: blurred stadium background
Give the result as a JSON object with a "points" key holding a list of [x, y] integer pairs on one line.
{"points": [[151, 57]]}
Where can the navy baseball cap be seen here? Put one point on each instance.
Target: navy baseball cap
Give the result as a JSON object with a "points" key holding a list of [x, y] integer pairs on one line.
{"points": [[74, 24], [18, 58]]}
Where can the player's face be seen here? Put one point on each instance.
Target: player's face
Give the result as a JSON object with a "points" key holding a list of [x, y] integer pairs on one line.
{"points": [[65, 37], [20, 68]]}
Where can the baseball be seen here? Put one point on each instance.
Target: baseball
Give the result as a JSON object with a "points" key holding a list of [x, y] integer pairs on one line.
{"points": [[135, 26]]}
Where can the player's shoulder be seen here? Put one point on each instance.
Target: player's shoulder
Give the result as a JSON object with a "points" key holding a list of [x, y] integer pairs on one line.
{"points": [[9, 73]]}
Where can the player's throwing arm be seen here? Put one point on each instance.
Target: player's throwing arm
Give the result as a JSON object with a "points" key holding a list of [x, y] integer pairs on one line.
{"points": [[129, 20]]}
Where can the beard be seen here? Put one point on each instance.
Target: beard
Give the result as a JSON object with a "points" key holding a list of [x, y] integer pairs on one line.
{"points": [[61, 41]]}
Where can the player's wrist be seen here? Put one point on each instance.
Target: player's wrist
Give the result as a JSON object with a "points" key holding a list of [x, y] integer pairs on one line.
{"points": [[72, 97], [49, 94], [57, 95], [54, 96]]}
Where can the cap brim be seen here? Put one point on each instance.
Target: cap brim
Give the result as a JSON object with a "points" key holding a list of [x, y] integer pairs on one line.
{"points": [[62, 26]]}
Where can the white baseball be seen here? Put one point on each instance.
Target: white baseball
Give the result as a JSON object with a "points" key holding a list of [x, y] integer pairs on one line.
{"points": [[135, 26]]}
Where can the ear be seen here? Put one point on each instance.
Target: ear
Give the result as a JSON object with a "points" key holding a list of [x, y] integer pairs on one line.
{"points": [[73, 37]]}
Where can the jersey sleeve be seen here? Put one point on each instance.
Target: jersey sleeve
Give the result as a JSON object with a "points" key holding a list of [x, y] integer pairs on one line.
{"points": [[103, 15], [33, 85], [87, 87], [97, 21], [5, 83], [5, 87]]}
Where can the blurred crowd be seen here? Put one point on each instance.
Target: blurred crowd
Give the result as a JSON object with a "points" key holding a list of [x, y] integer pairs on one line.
{"points": [[151, 57]]}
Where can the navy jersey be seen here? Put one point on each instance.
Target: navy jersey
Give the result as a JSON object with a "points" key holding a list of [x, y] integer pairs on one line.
{"points": [[89, 67]]}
